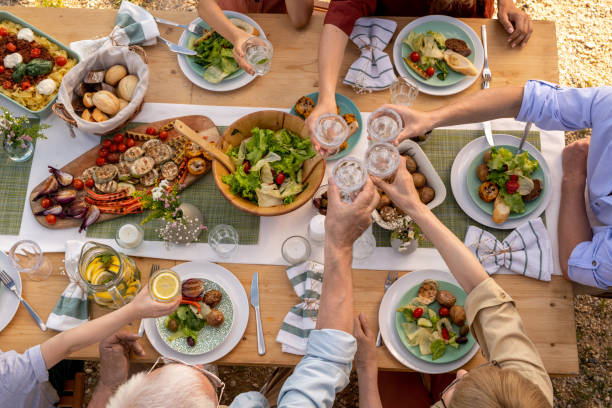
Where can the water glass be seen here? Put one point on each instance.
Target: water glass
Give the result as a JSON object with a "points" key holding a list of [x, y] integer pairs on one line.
{"points": [[258, 53], [27, 257], [384, 125], [330, 131], [382, 160], [350, 175], [403, 92], [223, 239]]}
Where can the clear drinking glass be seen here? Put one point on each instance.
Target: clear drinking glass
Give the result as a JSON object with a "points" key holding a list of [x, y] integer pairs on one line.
{"points": [[28, 258], [258, 53], [382, 160], [223, 239], [331, 131], [403, 92], [350, 175], [384, 125]]}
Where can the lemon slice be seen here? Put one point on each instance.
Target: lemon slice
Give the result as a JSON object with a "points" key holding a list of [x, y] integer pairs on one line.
{"points": [[165, 286], [101, 277]]}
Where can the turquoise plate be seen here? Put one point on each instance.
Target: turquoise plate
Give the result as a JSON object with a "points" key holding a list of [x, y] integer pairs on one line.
{"points": [[346, 106], [451, 353], [450, 31], [473, 183], [209, 337]]}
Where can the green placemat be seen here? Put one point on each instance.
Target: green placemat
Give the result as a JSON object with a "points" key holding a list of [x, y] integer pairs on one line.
{"points": [[205, 195], [441, 149]]}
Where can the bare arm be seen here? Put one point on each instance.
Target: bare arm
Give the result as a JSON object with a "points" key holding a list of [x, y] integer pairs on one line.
{"points": [[366, 364], [299, 11]]}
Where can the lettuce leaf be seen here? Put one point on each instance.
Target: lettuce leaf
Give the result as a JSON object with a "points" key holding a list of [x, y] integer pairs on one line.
{"points": [[438, 348], [243, 184], [499, 157], [514, 201]]}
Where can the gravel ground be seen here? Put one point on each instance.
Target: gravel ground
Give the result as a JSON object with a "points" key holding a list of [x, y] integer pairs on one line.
{"points": [[585, 57]]}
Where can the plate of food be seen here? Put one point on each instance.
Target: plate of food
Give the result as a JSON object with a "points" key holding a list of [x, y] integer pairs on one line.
{"points": [[399, 296], [441, 55], [9, 303], [33, 65], [217, 287], [345, 107], [214, 68], [489, 201]]}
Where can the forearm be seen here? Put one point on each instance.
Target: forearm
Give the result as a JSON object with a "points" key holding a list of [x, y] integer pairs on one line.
{"points": [[299, 11], [101, 395], [331, 51], [336, 305], [367, 378], [210, 12]]}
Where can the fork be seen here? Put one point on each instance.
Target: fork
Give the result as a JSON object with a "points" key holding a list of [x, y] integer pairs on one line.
{"points": [[391, 278], [154, 268], [486, 72], [10, 285], [197, 30]]}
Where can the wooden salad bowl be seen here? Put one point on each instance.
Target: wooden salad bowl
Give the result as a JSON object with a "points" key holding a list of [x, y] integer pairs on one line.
{"points": [[314, 168]]}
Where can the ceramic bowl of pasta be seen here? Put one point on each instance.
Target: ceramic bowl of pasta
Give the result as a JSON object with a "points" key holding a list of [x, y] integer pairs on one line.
{"points": [[32, 65]]}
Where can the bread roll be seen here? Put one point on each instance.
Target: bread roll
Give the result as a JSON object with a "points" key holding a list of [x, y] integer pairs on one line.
{"points": [[459, 63], [501, 211]]}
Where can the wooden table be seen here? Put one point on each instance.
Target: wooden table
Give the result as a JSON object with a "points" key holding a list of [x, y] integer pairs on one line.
{"points": [[546, 308]]}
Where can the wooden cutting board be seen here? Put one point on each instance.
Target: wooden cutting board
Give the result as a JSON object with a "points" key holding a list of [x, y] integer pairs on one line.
{"points": [[200, 124]]}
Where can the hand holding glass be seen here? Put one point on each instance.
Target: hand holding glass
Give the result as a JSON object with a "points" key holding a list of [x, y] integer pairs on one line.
{"points": [[258, 53], [384, 125], [382, 160], [330, 131], [350, 176]]}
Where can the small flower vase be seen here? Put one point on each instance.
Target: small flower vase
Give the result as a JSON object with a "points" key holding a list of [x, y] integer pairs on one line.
{"points": [[404, 248], [18, 151], [183, 232]]}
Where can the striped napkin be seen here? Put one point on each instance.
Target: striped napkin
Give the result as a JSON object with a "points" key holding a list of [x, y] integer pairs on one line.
{"points": [[72, 308], [307, 281], [373, 70], [525, 251], [134, 25]]}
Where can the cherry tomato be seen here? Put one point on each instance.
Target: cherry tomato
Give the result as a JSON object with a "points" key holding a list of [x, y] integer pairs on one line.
{"points": [[280, 178], [512, 186], [445, 334], [51, 219], [121, 147], [107, 143], [418, 312], [103, 152], [61, 61], [100, 161], [3, 32], [129, 142], [35, 52], [113, 148], [90, 183], [513, 177], [415, 56], [25, 85], [247, 166], [151, 131], [45, 203], [7, 84], [11, 47], [2, 69], [443, 312], [430, 71], [77, 184], [118, 138], [163, 135], [113, 158]]}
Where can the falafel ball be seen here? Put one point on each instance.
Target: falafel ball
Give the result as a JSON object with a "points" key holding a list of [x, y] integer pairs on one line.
{"points": [[411, 165], [212, 298], [427, 194], [419, 180], [215, 318]]}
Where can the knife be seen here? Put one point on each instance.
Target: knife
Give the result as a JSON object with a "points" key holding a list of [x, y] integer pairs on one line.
{"points": [[525, 133], [486, 76], [261, 344], [487, 131], [177, 48]]}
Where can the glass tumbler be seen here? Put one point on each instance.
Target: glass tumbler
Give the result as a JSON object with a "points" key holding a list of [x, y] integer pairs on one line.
{"points": [[330, 131], [28, 258], [258, 53], [382, 160], [384, 125], [350, 175], [403, 92], [223, 239]]}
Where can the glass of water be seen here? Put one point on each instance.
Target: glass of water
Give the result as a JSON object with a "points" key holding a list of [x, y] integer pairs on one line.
{"points": [[384, 125], [350, 175], [331, 131], [382, 160], [403, 92], [258, 53], [223, 239], [28, 258]]}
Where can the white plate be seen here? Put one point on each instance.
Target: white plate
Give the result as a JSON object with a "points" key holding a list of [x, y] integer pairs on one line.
{"points": [[227, 85], [9, 303], [461, 165], [432, 90], [234, 289], [386, 321]]}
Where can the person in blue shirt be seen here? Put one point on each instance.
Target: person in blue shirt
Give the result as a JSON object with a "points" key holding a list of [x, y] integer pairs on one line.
{"points": [[324, 370], [585, 242]]}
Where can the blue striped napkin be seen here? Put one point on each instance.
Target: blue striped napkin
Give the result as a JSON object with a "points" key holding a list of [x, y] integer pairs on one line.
{"points": [[307, 281], [525, 251], [373, 70]]}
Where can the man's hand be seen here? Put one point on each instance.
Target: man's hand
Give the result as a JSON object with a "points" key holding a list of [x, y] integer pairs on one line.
{"points": [[516, 22], [402, 191], [115, 358], [416, 123], [323, 107], [144, 306], [346, 222], [239, 40], [574, 160], [366, 344]]}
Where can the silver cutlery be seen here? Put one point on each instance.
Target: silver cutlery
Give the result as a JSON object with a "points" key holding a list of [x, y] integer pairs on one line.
{"points": [[10, 285], [177, 48], [197, 31], [525, 133], [261, 344], [154, 268], [391, 278], [486, 76]]}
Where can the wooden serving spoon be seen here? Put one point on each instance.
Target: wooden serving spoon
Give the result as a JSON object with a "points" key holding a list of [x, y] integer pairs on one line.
{"points": [[208, 147]]}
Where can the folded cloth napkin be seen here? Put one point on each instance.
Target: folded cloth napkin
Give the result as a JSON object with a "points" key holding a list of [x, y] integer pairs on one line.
{"points": [[307, 281], [72, 308], [373, 70], [526, 250], [134, 25]]}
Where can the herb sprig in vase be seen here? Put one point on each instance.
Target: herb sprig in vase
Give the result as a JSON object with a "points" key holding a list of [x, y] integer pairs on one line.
{"points": [[19, 135]]}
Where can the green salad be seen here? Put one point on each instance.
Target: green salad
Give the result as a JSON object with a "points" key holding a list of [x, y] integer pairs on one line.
{"points": [[269, 167], [189, 324], [215, 55], [430, 46]]}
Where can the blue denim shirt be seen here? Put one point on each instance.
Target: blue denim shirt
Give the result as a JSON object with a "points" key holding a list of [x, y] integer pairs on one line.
{"points": [[324, 371], [555, 108]]}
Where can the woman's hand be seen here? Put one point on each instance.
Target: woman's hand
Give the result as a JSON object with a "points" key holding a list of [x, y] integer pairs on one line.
{"points": [[145, 306], [402, 191], [238, 41], [416, 123], [516, 22], [365, 358], [323, 107]]}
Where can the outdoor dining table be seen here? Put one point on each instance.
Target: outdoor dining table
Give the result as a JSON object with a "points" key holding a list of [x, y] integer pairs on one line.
{"points": [[545, 307]]}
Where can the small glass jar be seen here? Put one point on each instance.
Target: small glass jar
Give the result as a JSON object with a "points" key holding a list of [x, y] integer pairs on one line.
{"points": [[129, 236], [18, 151], [296, 250]]}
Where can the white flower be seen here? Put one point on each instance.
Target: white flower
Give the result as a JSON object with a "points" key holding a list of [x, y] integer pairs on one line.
{"points": [[164, 184], [157, 193]]}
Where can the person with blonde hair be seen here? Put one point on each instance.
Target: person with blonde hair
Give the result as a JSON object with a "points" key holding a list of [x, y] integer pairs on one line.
{"points": [[515, 375]]}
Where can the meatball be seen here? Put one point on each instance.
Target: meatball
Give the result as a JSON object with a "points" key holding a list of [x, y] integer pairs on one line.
{"points": [[411, 165], [419, 180], [426, 194], [172, 325], [445, 298], [215, 318], [457, 315], [482, 172], [212, 298], [193, 288], [487, 156]]}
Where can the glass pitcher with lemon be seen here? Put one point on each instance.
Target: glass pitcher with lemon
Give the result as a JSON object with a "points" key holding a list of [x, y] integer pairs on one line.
{"points": [[110, 278]]}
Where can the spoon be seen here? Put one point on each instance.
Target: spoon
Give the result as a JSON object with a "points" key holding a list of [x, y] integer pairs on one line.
{"points": [[208, 147]]}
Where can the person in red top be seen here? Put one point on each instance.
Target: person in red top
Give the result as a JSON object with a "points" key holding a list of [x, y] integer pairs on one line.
{"points": [[342, 15]]}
